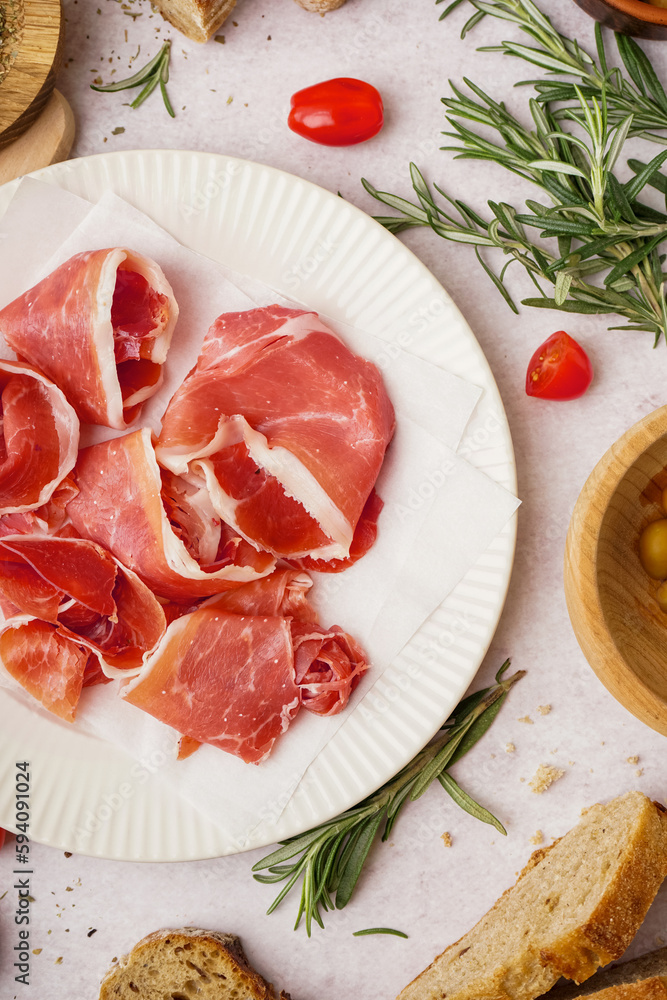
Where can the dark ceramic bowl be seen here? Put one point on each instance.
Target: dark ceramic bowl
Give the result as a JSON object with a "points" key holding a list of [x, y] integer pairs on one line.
{"points": [[632, 17]]}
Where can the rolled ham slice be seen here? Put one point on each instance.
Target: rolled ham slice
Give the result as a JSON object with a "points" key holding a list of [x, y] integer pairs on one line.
{"points": [[286, 427], [222, 679], [99, 326], [39, 438], [124, 505], [91, 600], [328, 665]]}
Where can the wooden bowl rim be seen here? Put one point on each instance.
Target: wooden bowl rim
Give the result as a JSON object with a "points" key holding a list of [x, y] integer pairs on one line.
{"points": [[36, 86], [642, 11], [587, 616]]}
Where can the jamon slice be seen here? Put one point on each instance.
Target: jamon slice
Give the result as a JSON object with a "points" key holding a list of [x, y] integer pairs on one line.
{"points": [[284, 593], [99, 326], [222, 679], [328, 666], [365, 534], [49, 519], [39, 438], [80, 589], [121, 504], [286, 427], [45, 663]]}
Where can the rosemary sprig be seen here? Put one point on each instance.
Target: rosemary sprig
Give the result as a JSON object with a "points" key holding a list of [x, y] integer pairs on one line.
{"points": [[155, 73], [638, 93], [330, 857], [599, 225]]}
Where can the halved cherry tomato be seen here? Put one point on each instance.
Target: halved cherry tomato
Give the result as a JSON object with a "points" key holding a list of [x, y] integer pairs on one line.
{"points": [[338, 112], [559, 369]]}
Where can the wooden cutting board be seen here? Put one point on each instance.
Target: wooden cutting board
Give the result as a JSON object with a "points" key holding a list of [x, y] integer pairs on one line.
{"points": [[25, 91], [48, 140]]}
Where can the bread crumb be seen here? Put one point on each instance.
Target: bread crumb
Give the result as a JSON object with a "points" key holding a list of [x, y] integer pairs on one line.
{"points": [[37, 951], [639, 772], [538, 838], [58, 961], [544, 777], [446, 838], [544, 709], [527, 719], [510, 748], [633, 760]]}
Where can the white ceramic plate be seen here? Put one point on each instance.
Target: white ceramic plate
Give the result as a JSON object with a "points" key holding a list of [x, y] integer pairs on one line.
{"points": [[311, 245]]}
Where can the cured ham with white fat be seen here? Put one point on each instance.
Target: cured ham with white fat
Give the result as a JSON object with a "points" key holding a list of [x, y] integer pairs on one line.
{"points": [[39, 438], [45, 663], [286, 427], [99, 326], [155, 563], [164, 530], [328, 665], [222, 679], [284, 593], [50, 518], [236, 681], [73, 613]]}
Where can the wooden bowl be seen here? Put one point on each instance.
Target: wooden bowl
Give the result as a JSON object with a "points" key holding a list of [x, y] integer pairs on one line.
{"points": [[610, 598], [632, 17], [25, 91]]}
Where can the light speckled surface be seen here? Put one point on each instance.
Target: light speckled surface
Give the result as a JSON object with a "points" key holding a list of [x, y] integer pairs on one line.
{"points": [[413, 883]]}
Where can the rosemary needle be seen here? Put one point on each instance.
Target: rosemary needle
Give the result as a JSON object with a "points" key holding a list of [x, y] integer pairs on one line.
{"points": [[379, 930], [155, 73], [330, 857], [637, 92], [598, 227]]}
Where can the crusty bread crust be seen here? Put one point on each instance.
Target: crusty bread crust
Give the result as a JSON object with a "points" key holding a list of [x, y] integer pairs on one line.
{"points": [[198, 19], [646, 989], [577, 953], [254, 986], [645, 967], [320, 6]]}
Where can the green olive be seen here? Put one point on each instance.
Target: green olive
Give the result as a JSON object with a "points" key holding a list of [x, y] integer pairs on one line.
{"points": [[661, 596], [653, 549]]}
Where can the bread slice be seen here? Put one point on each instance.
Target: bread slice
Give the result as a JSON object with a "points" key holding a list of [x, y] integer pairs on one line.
{"points": [[645, 989], [575, 906], [320, 6], [644, 967], [186, 963], [198, 19]]}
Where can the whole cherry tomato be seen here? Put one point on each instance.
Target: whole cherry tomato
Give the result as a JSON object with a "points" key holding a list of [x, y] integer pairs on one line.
{"points": [[559, 369], [338, 112]]}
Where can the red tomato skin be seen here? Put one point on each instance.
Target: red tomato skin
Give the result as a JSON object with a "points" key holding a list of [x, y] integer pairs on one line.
{"points": [[339, 112], [559, 369]]}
